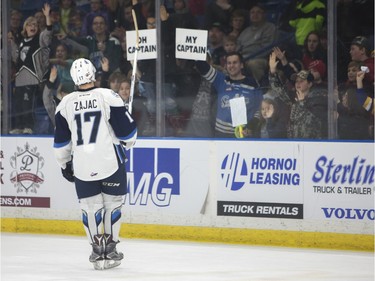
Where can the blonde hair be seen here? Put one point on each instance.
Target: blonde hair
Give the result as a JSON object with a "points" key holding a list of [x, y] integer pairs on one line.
{"points": [[28, 21]]}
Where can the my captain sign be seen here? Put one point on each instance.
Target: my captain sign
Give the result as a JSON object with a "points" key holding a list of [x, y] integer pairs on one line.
{"points": [[147, 44], [191, 44]]}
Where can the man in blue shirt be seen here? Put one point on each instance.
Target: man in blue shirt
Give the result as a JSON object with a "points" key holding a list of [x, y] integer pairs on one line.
{"points": [[230, 85]]}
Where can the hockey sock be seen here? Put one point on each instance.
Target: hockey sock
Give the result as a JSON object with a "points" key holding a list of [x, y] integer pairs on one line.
{"points": [[112, 214], [92, 215]]}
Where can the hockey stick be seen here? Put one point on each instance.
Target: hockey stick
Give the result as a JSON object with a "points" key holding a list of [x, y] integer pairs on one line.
{"points": [[134, 72]]}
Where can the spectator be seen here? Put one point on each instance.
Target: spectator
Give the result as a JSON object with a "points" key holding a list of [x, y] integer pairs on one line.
{"points": [[254, 40], [139, 110], [215, 43], [219, 11], [360, 52], [230, 46], [63, 62], [314, 57], [124, 90], [237, 22], [230, 86], [352, 70], [288, 68], [55, 20], [126, 19], [273, 120], [75, 23], [99, 45], [31, 59], [182, 18], [67, 8], [41, 20], [351, 83], [114, 10], [15, 27], [366, 99], [114, 81], [308, 109], [110, 80], [309, 15], [97, 9], [272, 123], [353, 120], [318, 71]]}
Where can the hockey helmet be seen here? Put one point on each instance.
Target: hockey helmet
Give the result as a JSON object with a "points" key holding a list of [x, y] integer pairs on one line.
{"points": [[82, 71]]}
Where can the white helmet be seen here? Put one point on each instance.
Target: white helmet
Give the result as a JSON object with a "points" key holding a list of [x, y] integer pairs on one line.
{"points": [[82, 72]]}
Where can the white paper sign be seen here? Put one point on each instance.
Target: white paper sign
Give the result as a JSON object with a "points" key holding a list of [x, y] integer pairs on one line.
{"points": [[147, 44], [238, 111], [191, 44]]}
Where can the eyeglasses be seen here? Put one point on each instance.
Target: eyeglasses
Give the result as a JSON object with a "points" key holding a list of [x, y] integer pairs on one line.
{"points": [[151, 24]]}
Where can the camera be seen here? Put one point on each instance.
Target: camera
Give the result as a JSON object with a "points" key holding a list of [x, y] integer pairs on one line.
{"points": [[365, 69]]}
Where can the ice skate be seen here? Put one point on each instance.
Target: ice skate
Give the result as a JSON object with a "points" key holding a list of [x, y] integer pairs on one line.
{"points": [[112, 257], [97, 255]]}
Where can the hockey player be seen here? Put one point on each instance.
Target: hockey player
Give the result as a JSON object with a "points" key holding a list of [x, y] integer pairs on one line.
{"points": [[93, 125]]}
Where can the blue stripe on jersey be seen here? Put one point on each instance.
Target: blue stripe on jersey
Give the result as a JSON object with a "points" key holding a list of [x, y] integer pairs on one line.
{"points": [[120, 152], [211, 74], [62, 132], [58, 145], [122, 123], [132, 134]]}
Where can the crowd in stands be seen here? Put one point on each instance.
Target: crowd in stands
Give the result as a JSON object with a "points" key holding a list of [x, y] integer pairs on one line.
{"points": [[271, 53]]}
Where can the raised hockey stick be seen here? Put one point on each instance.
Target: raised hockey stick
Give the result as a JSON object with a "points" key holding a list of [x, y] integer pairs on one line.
{"points": [[134, 72]]}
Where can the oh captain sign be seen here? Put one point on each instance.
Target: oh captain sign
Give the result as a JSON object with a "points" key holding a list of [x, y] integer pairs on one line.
{"points": [[146, 44], [191, 44]]}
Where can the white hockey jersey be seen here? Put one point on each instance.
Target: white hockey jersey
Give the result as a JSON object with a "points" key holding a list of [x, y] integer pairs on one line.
{"points": [[89, 126]]}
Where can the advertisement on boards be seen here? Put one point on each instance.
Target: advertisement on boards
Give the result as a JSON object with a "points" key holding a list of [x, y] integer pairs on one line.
{"points": [[296, 180], [339, 181], [166, 174], [260, 179], [30, 176], [163, 176]]}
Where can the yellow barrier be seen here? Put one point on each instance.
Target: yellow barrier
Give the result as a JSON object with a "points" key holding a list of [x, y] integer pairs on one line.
{"points": [[321, 240]]}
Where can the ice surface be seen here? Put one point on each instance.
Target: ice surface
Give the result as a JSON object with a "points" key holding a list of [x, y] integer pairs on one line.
{"points": [[56, 258]]}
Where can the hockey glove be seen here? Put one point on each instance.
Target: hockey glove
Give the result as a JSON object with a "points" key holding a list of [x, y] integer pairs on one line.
{"points": [[68, 173]]}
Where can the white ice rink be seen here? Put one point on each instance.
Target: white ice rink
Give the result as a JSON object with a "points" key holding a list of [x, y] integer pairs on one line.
{"points": [[27, 257]]}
